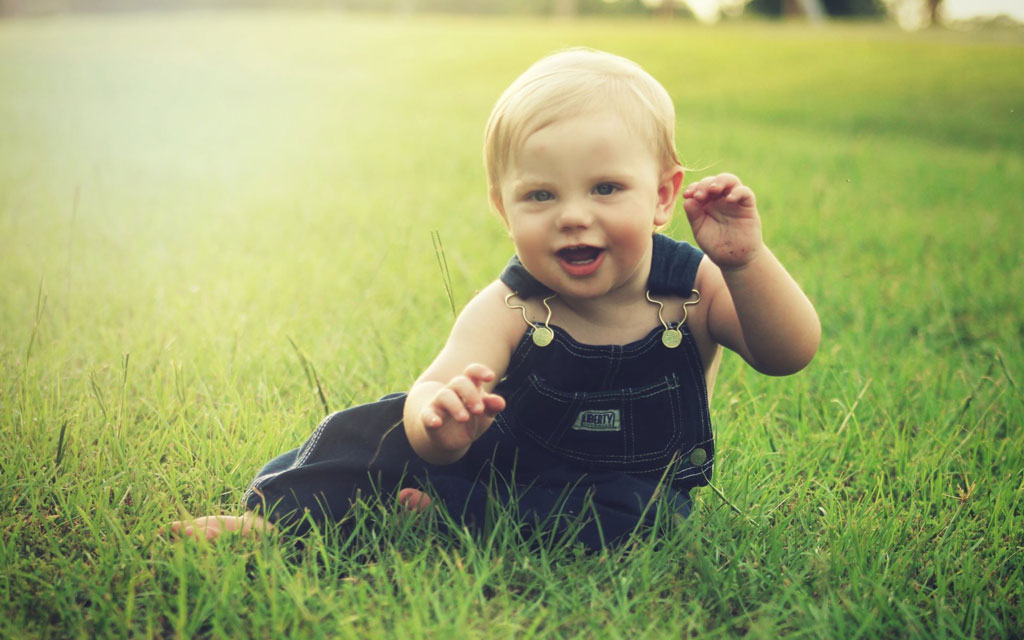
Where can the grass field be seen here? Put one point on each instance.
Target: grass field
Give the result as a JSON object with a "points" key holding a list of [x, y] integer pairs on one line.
{"points": [[183, 196]]}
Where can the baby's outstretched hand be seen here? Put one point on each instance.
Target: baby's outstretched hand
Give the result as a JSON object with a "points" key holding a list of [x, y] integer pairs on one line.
{"points": [[723, 215], [461, 410]]}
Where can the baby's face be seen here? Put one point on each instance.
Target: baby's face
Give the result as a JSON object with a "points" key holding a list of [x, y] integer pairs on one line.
{"points": [[581, 198]]}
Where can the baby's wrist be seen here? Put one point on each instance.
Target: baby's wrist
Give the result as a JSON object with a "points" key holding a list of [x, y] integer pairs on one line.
{"points": [[750, 258]]}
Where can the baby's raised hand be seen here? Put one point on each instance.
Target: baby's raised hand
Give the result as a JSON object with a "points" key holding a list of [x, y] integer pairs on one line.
{"points": [[461, 410], [723, 215]]}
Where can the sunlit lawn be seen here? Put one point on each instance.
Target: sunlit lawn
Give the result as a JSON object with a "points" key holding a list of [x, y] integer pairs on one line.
{"points": [[184, 196]]}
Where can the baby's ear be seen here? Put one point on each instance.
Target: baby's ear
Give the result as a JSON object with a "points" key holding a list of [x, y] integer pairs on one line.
{"points": [[668, 190], [499, 206]]}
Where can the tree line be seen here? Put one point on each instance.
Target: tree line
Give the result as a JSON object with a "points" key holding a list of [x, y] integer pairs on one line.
{"points": [[531, 7]]}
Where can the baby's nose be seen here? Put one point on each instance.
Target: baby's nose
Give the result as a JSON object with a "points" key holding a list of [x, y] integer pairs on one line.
{"points": [[574, 214]]}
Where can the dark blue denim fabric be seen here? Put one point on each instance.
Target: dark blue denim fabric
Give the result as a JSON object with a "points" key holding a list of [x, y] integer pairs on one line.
{"points": [[588, 430]]}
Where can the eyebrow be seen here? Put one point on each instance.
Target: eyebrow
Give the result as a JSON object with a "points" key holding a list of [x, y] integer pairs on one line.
{"points": [[529, 183]]}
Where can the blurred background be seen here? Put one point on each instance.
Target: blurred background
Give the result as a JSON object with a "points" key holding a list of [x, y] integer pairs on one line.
{"points": [[220, 219], [909, 14]]}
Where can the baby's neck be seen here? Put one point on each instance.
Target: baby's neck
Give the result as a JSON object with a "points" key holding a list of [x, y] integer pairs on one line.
{"points": [[612, 319]]}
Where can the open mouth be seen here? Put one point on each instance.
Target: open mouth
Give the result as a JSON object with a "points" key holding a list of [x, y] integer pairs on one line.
{"points": [[581, 260], [579, 255]]}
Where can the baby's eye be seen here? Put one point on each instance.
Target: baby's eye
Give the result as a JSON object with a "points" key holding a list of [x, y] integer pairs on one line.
{"points": [[540, 196], [606, 189]]}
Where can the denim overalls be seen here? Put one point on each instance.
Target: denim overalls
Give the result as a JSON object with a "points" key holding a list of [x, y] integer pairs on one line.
{"points": [[588, 429]]}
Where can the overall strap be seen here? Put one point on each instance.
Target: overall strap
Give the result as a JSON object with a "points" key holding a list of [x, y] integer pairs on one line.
{"points": [[673, 266], [518, 279]]}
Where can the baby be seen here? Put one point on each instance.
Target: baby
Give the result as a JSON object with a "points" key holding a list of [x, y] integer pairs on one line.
{"points": [[581, 376]]}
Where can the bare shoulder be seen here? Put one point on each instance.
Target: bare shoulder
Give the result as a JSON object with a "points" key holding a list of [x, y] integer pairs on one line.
{"points": [[486, 332], [489, 314], [711, 285]]}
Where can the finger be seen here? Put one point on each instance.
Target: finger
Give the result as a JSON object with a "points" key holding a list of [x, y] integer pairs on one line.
{"points": [[723, 184], [708, 189], [435, 414], [741, 195], [697, 191], [715, 188], [479, 373], [449, 402], [431, 417], [699, 188], [470, 393], [727, 180], [694, 209], [444, 406], [493, 404]]}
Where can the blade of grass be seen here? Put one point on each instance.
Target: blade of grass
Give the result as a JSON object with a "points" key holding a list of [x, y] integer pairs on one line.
{"points": [[60, 445], [40, 307], [125, 357], [442, 263], [98, 394], [311, 376]]}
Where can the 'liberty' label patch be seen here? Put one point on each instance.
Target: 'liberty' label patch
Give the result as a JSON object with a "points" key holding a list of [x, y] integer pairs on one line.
{"points": [[598, 421]]}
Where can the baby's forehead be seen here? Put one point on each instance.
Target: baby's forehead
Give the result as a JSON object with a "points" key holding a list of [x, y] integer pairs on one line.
{"points": [[566, 86], [610, 120]]}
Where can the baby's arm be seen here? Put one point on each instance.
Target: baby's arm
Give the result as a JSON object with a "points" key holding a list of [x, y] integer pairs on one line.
{"points": [[451, 404], [755, 307]]}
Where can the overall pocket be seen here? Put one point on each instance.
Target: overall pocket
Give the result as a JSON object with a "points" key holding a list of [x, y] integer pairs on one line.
{"points": [[631, 429]]}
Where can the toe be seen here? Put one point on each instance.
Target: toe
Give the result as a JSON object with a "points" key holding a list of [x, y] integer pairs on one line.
{"points": [[413, 499]]}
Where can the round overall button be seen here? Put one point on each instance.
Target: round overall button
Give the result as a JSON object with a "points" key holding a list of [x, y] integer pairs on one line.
{"points": [[672, 338], [698, 456], [542, 336]]}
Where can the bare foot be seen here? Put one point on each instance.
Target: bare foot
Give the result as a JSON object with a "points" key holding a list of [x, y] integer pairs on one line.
{"points": [[211, 527], [413, 500]]}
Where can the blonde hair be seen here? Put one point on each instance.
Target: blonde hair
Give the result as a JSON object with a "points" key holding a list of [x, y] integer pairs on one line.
{"points": [[574, 81]]}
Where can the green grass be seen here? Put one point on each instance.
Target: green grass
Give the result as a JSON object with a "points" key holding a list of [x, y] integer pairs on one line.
{"points": [[180, 195]]}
